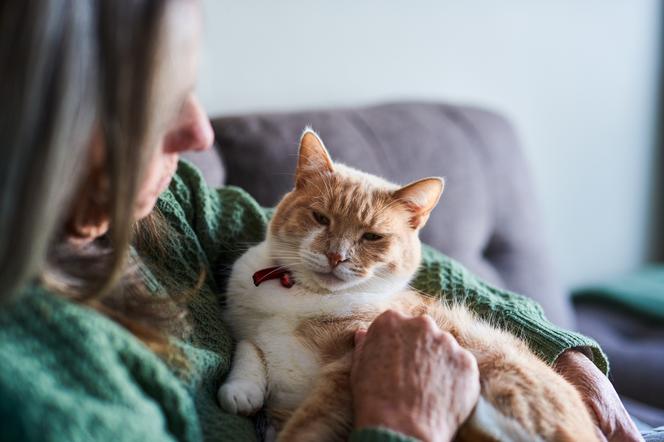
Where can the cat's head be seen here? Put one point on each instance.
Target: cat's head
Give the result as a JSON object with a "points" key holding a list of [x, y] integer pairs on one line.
{"points": [[340, 229]]}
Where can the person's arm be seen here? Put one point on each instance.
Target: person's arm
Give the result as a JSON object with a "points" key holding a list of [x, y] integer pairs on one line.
{"points": [[577, 358], [599, 395], [444, 277]]}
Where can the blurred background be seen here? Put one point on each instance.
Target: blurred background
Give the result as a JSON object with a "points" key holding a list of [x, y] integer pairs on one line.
{"points": [[578, 79], [580, 83]]}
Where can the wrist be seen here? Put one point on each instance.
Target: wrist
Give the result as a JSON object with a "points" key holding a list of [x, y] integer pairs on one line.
{"points": [[579, 371], [575, 360]]}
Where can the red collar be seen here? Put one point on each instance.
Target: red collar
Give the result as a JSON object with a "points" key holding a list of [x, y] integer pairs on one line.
{"points": [[281, 273]]}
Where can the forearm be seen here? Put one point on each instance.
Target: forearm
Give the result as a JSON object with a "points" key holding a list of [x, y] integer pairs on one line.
{"points": [[448, 279]]}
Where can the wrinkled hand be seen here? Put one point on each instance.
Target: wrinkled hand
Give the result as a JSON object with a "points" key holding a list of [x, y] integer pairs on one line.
{"points": [[599, 395], [411, 377]]}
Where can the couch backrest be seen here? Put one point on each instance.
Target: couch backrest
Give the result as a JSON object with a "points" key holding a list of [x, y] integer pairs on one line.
{"points": [[487, 218]]}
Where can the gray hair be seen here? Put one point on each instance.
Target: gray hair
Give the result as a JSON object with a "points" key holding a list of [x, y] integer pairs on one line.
{"points": [[48, 105], [68, 69]]}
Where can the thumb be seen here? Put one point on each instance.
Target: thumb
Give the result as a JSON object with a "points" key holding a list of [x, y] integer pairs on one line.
{"points": [[600, 435], [360, 336]]}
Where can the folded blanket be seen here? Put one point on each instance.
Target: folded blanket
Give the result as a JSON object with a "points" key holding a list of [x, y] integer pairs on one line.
{"points": [[641, 292]]}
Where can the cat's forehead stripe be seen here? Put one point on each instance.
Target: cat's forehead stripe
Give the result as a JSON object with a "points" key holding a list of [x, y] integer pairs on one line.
{"points": [[354, 200]]}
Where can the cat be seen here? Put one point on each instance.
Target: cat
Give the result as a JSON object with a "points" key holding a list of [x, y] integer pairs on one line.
{"points": [[340, 249]]}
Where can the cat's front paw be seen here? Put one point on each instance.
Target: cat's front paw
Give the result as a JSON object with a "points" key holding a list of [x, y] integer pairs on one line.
{"points": [[240, 397]]}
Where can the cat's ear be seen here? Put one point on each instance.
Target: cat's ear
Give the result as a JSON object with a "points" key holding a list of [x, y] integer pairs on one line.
{"points": [[419, 198], [313, 158]]}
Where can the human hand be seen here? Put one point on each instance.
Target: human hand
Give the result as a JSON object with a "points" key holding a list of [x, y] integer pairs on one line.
{"points": [[411, 377], [599, 396]]}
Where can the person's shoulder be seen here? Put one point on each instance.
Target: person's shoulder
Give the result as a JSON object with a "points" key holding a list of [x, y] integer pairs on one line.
{"points": [[70, 373], [48, 335], [14, 411], [34, 399], [38, 365], [12, 374]]}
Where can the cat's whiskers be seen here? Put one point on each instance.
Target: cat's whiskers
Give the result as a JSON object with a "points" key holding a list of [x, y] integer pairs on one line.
{"points": [[244, 246], [275, 270]]}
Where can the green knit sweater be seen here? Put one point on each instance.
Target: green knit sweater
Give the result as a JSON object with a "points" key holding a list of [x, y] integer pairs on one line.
{"points": [[67, 373]]}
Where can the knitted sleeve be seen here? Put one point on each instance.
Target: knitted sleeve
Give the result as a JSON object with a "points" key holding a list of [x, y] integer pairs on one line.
{"points": [[442, 276], [225, 221], [379, 435]]}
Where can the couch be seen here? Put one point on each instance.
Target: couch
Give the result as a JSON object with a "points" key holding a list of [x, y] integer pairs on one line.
{"points": [[487, 218]]}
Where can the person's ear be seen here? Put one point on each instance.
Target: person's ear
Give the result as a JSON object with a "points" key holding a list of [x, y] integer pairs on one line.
{"points": [[89, 213]]}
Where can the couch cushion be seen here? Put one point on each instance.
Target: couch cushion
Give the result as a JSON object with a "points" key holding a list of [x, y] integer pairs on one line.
{"points": [[486, 219], [641, 293]]}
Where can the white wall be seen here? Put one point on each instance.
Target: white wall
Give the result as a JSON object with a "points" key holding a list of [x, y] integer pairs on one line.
{"points": [[577, 77]]}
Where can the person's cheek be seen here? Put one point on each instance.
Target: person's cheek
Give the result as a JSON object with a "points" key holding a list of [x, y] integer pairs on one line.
{"points": [[154, 182]]}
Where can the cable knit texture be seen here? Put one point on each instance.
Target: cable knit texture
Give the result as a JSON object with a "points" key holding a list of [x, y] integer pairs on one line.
{"points": [[70, 374], [379, 435]]}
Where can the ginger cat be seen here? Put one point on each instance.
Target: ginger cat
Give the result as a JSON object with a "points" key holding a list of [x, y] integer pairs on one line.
{"points": [[341, 249]]}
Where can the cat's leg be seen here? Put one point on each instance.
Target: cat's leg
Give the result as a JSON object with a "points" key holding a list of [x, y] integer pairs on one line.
{"points": [[245, 388], [326, 414]]}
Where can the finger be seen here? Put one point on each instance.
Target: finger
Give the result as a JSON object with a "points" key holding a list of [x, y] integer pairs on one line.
{"points": [[600, 435], [426, 321], [387, 317], [449, 341], [360, 336]]}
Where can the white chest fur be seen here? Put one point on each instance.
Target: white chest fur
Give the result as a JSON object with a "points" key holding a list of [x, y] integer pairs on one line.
{"points": [[291, 367], [268, 317]]}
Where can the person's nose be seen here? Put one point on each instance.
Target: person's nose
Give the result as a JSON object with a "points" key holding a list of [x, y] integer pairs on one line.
{"points": [[192, 131]]}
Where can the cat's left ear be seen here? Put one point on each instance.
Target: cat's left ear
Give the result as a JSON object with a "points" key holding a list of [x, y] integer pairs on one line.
{"points": [[313, 158], [419, 198]]}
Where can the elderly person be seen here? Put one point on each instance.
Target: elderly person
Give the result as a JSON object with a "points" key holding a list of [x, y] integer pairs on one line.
{"points": [[110, 310]]}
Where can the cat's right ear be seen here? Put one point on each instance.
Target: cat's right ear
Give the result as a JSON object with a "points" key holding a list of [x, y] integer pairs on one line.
{"points": [[420, 198], [313, 158]]}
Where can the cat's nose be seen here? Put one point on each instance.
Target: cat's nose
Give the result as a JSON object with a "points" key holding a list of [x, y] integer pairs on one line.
{"points": [[334, 258]]}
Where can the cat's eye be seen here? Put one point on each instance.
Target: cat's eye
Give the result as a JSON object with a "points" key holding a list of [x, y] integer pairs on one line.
{"points": [[321, 219], [369, 236]]}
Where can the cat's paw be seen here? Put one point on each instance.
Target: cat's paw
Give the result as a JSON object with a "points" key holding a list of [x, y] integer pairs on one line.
{"points": [[240, 397]]}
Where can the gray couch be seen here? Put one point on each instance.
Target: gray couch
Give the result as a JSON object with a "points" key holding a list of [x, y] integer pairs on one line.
{"points": [[487, 218]]}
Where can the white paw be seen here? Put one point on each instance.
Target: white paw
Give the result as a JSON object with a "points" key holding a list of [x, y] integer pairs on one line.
{"points": [[240, 397]]}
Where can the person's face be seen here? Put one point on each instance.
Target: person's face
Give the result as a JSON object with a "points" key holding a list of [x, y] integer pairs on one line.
{"points": [[182, 123]]}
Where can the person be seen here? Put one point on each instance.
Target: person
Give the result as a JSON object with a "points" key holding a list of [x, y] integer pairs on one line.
{"points": [[109, 249]]}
